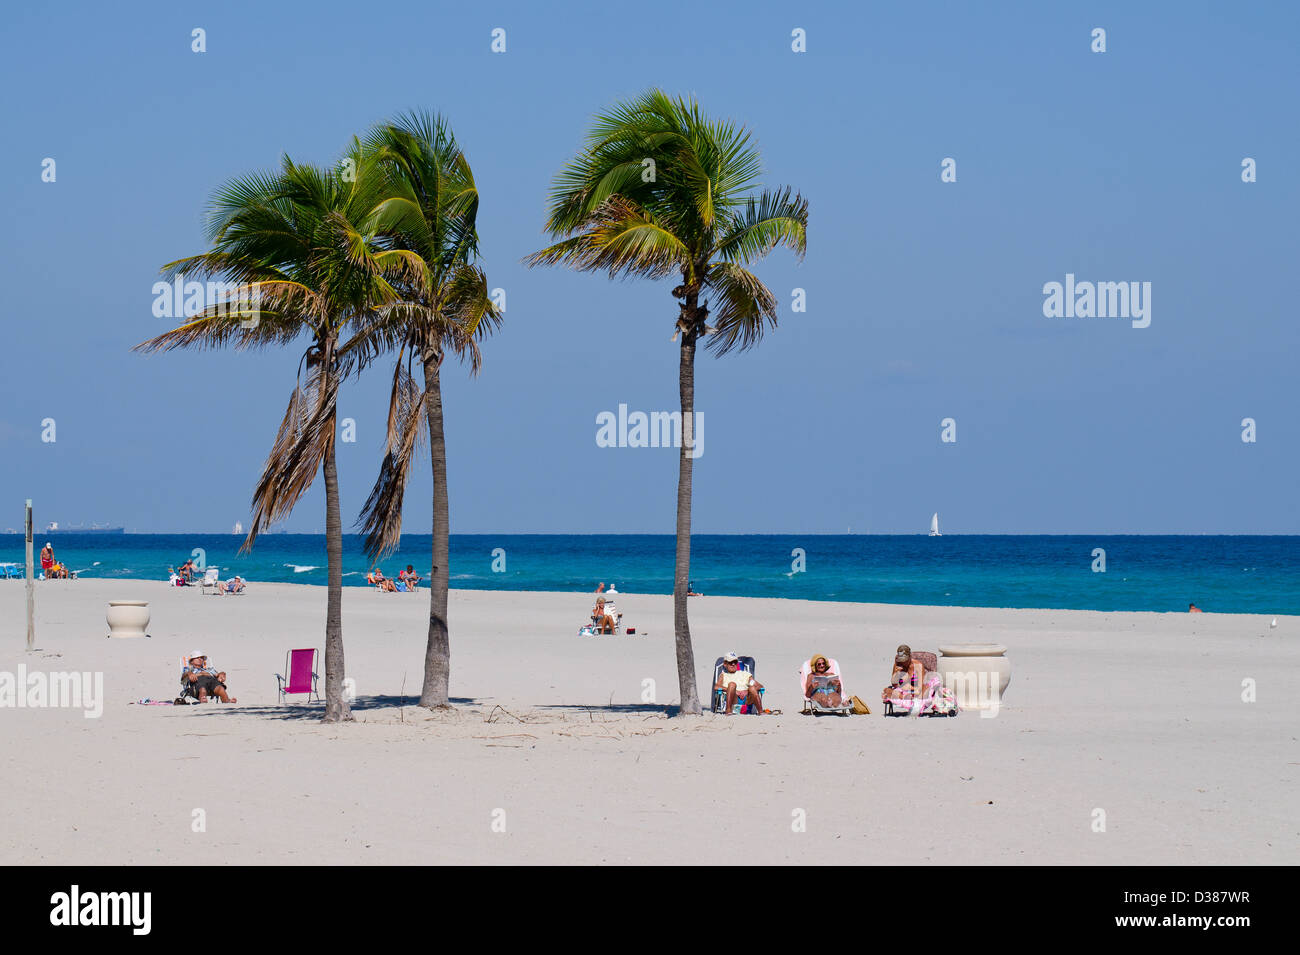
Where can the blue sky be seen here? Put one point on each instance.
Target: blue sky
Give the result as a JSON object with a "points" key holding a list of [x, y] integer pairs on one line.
{"points": [[924, 298]]}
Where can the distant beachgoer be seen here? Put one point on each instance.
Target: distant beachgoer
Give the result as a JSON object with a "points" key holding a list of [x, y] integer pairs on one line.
{"points": [[47, 558], [409, 577], [377, 578], [1192, 608], [690, 590], [822, 685], [605, 623], [600, 588], [912, 688], [186, 572], [205, 680], [739, 685], [235, 585]]}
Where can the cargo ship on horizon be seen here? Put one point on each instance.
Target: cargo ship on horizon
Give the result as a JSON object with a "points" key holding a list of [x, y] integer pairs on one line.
{"points": [[54, 528]]}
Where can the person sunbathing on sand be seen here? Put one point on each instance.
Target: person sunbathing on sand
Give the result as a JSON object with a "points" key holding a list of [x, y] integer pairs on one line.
{"points": [[409, 577], [604, 622], [205, 680], [914, 689], [739, 685], [235, 585], [822, 685]]}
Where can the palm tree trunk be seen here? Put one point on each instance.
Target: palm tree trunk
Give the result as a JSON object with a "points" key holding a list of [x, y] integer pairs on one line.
{"points": [[437, 653], [336, 707], [690, 698]]}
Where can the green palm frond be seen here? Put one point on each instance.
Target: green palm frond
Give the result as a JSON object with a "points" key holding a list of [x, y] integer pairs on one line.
{"points": [[772, 219], [744, 308], [622, 239]]}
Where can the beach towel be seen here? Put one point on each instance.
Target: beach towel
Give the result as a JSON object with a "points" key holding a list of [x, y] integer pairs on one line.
{"points": [[148, 702]]}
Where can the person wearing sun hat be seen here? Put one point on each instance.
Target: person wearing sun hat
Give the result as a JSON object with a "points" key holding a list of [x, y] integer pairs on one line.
{"points": [[823, 685], [739, 685], [205, 681]]}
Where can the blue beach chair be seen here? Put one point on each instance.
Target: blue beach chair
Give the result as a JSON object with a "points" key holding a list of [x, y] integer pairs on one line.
{"points": [[720, 696]]}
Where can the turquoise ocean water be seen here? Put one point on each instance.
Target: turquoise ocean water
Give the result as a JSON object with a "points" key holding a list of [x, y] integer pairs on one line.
{"points": [[1232, 574]]}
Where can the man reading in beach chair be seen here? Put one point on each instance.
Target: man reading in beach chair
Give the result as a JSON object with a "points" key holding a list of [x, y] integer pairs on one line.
{"points": [[204, 681], [739, 685]]}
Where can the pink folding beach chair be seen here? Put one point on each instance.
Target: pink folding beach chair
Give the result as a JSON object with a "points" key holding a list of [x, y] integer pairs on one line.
{"points": [[301, 667], [846, 706]]}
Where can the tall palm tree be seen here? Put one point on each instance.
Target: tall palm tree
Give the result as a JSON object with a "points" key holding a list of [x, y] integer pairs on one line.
{"points": [[660, 190], [430, 211], [301, 245]]}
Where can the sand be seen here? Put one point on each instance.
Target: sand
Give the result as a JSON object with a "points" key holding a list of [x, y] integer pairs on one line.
{"points": [[1138, 715]]}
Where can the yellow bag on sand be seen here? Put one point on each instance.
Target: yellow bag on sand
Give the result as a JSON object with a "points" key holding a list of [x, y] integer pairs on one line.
{"points": [[860, 708]]}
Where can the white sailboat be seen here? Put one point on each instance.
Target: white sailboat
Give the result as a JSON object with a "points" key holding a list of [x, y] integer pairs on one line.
{"points": [[934, 525]]}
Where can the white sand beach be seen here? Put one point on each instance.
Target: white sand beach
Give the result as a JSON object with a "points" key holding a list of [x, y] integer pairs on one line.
{"points": [[1136, 714]]}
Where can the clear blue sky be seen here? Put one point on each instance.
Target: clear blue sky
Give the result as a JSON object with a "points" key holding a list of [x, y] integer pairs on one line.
{"points": [[924, 299]]}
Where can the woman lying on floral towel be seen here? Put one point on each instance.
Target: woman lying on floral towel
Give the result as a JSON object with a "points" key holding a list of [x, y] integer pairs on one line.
{"points": [[914, 689]]}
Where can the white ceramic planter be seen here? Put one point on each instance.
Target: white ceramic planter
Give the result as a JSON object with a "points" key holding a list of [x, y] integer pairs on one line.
{"points": [[977, 673], [128, 618]]}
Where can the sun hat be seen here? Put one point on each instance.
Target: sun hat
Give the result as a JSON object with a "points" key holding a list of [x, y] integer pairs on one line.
{"points": [[812, 663], [730, 657], [196, 654]]}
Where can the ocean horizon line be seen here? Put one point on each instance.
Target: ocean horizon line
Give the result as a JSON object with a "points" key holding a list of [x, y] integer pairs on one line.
{"points": [[135, 533], [1229, 573]]}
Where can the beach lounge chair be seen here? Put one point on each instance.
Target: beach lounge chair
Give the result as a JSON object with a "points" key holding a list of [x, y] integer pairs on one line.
{"points": [[812, 706], [211, 579], [187, 694], [720, 696], [931, 664], [13, 571], [301, 667]]}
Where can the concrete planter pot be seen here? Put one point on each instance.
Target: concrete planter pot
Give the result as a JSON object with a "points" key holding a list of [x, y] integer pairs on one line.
{"points": [[977, 673], [128, 618]]}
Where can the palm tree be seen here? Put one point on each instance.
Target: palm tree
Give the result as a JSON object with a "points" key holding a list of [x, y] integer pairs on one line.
{"points": [[300, 245], [660, 190], [430, 210]]}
